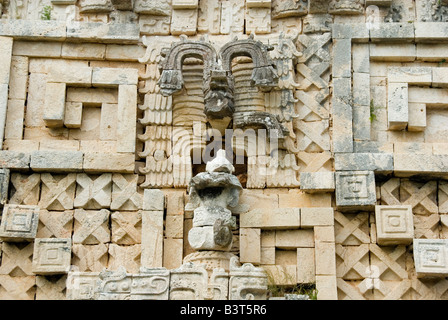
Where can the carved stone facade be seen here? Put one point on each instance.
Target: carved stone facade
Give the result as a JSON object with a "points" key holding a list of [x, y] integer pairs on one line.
{"points": [[223, 149]]}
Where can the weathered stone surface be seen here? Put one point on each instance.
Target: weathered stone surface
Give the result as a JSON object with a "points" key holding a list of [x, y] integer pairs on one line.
{"points": [[19, 223], [57, 161], [394, 225], [430, 256], [317, 181], [271, 219], [377, 162], [51, 256], [355, 188]]}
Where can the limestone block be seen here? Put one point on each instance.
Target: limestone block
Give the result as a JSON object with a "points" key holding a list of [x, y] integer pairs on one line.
{"points": [[80, 76], [184, 22], [153, 200], [94, 51], [342, 58], [306, 272], [402, 52], [81, 285], [14, 119], [317, 181], [111, 77], [54, 109], [92, 258], [6, 45], [432, 31], [96, 162], [17, 288], [108, 32], [19, 223], [377, 162], [355, 31], [325, 255], [393, 31], [410, 75], [203, 238], [124, 256], [430, 257], [267, 255], [355, 189], [360, 58], [36, 100], [342, 115], [394, 225], [37, 49], [151, 7], [57, 161], [127, 115], [126, 227], [14, 160], [250, 245], [55, 224], [417, 116], [406, 164], [326, 287], [174, 226], [271, 219], [291, 239], [92, 95], [152, 239], [50, 288], [439, 77], [311, 217], [431, 51], [435, 97], [18, 81], [108, 127], [116, 52], [91, 227], [397, 106], [32, 29], [124, 192], [52, 256], [172, 253]]}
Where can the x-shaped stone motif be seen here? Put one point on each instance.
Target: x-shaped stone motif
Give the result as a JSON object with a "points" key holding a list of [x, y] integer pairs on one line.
{"points": [[93, 192], [50, 289], [312, 136], [426, 226], [413, 287], [126, 227], [58, 191], [313, 45], [355, 262], [127, 256], [314, 162], [91, 227], [55, 224], [314, 103], [90, 258], [16, 260], [27, 189], [422, 199], [124, 192], [17, 288], [390, 192], [350, 228]]}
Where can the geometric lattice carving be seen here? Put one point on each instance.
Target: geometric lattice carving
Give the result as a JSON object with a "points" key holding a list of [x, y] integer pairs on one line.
{"points": [[421, 196], [55, 224], [394, 225], [352, 229], [93, 192], [16, 259], [26, 189], [91, 227], [58, 191], [126, 227], [90, 258], [17, 288], [124, 192], [50, 288]]}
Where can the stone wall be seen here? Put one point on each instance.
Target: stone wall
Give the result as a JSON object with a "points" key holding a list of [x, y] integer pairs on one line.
{"points": [[344, 181]]}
